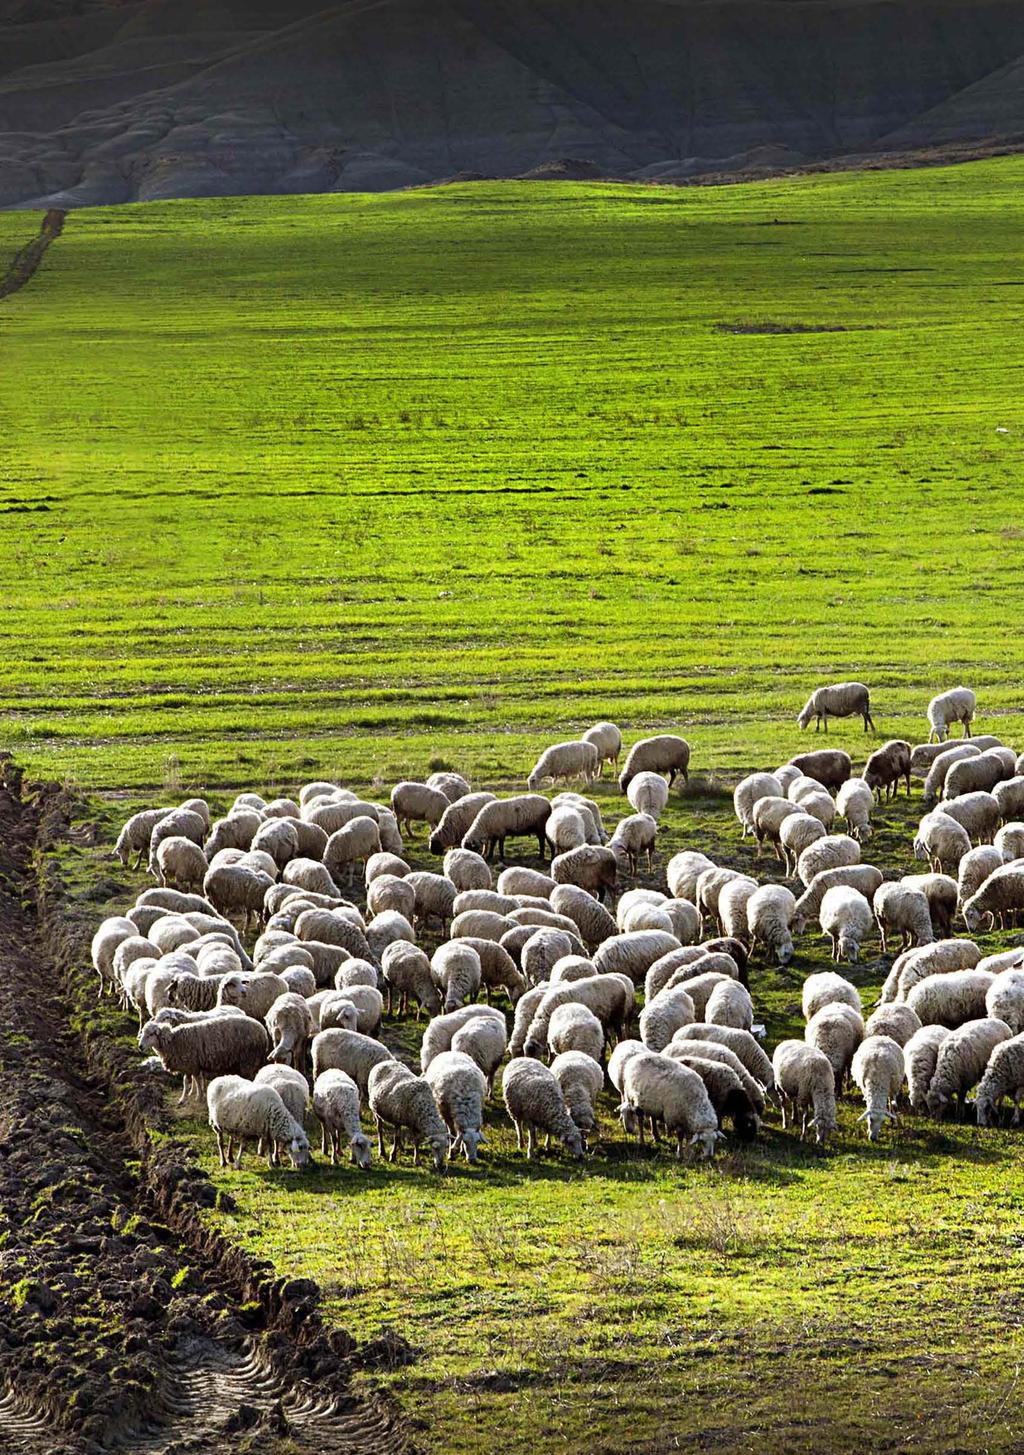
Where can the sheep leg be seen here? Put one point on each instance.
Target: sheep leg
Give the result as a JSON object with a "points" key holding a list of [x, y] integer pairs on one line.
{"points": [[782, 1108], [380, 1137], [220, 1146], [396, 1144], [323, 1139], [655, 1135], [184, 1090], [531, 1142], [241, 1149]]}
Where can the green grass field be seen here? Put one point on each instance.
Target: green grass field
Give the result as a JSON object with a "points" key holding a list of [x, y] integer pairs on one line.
{"points": [[292, 484]]}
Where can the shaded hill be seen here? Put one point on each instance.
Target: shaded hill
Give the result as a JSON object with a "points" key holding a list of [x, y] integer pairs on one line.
{"points": [[104, 102]]}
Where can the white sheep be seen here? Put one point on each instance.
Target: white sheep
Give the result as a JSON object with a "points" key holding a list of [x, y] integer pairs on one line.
{"points": [[902, 911], [413, 802], [839, 699], [456, 820], [805, 1083], [956, 705], [1009, 795], [877, 1069], [729, 1004], [455, 967], [180, 862], [336, 1104], [942, 841], [1004, 1000], [770, 911], [961, 1062], [202, 1050], [407, 975], [854, 803], [593, 922], [484, 1039], [577, 759], [951, 998], [1009, 841], [828, 988], [976, 813], [290, 1085], [581, 1079], [524, 815], [459, 1088], [797, 833], [349, 1051], [240, 1111], [836, 1031], [1004, 1076], [935, 959], [999, 900], [439, 1033], [565, 829], [648, 794], [740, 1043], [672, 1095], [897, 1021], [466, 870], [633, 953], [747, 792], [920, 1055], [405, 1103], [942, 763], [665, 1014], [575, 1027], [978, 774], [767, 817], [847, 919], [665, 754], [291, 1029], [940, 890], [683, 871], [634, 838], [535, 1102], [607, 739], [863, 877], [733, 899], [835, 851]]}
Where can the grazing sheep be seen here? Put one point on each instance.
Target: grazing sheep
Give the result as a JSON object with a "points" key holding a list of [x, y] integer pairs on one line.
{"points": [[367, 1002], [733, 899], [112, 933], [576, 759], [438, 1035], [950, 998], [291, 1029], [352, 845], [574, 1027], [865, 878], [961, 1062], [683, 871], [255, 992], [896, 1020], [634, 837], [505, 818], [665, 754], [770, 912], [405, 1102], [700, 987], [466, 870], [887, 765], [633, 953], [484, 1039], [407, 973], [607, 739], [535, 1102], [348, 1051], [136, 833], [942, 841], [942, 766], [797, 833], [569, 968], [667, 1013], [456, 820], [176, 823], [565, 829], [977, 774], [662, 971], [236, 831], [389, 892], [729, 1004], [935, 959], [648, 794], [920, 1055], [1004, 1076], [459, 1089], [610, 997], [941, 893], [977, 813], [726, 1089], [451, 784], [526, 1009], [829, 766], [290, 1085], [1010, 842], [841, 699], [828, 988], [878, 1071], [435, 899], [413, 802], [999, 900], [617, 1060], [746, 794], [236, 892], [836, 1030], [180, 862], [902, 911], [592, 867], [580, 1079], [805, 1082], [835, 851], [1002, 960], [498, 970], [279, 838], [1005, 1000], [672, 1095], [241, 1111], [593, 922], [336, 1104], [818, 804], [518, 880], [481, 924], [386, 928], [854, 802], [956, 705], [739, 1043], [709, 890], [768, 816], [1009, 796], [847, 919], [543, 949], [310, 874]]}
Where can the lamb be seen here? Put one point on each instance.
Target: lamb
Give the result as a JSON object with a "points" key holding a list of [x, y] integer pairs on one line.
{"points": [[1010, 842], [580, 1079], [841, 699], [456, 820], [574, 1027], [535, 1102], [1004, 1000], [455, 967], [977, 813], [832, 852], [830, 766], [634, 837], [796, 834], [291, 1029], [241, 1111], [827, 988], [407, 974], [961, 1062], [438, 1035], [942, 841], [1004, 1076], [854, 802], [667, 1013], [1009, 797], [666, 754], [633, 953], [607, 739], [732, 904], [896, 1020], [738, 1043], [805, 1081], [351, 845], [729, 1004], [577, 759], [863, 877], [405, 1102], [349, 1051], [484, 1039], [952, 998], [180, 862], [672, 1094], [593, 922], [887, 765], [999, 900], [290, 1085], [466, 870], [523, 816], [746, 794], [956, 705], [768, 816], [459, 1088], [648, 794], [836, 1030], [592, 867], [877, 1069], [203, 1049], [418, 803], [902, 911], [770, 912], [847, 919], [977, 774], [336, 1104], [610, 997]]}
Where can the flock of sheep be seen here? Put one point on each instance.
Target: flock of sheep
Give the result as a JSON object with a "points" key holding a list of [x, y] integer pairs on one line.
{"points": [[344, 921]]}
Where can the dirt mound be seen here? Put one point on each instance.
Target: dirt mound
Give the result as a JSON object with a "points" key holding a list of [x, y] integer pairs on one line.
{"points": [[149, 98]]}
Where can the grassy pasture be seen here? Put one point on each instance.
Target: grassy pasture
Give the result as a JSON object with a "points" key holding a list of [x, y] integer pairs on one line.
{"points": [[296, 484]]}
